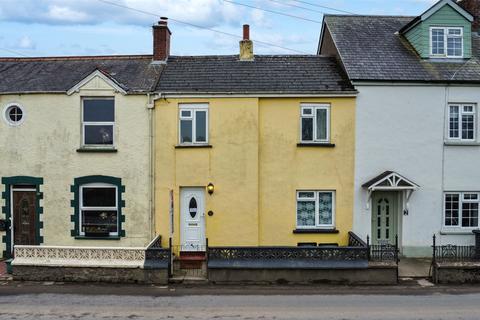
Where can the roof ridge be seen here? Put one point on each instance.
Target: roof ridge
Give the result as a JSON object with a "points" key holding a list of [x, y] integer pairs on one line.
{"points": [[70, 58], [257, 55], [368, 15]]}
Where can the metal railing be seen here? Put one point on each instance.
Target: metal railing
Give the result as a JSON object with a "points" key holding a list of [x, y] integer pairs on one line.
{"points": [[157, 257], [384, 252], [453, 253]]}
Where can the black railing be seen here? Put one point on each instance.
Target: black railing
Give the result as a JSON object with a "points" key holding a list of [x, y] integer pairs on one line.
{"points": [[453, 253], [386, 252], [355, 241], [157, 257]]}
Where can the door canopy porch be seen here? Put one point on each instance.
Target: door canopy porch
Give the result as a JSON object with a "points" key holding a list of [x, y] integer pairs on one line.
{"points": [[390, 181]]}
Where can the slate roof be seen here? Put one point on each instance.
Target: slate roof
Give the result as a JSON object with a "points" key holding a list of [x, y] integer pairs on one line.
{"points": [[285, 74], [372, 50], [135, 74]]}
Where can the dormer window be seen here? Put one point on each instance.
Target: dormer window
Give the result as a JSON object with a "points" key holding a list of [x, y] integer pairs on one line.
{"points": [[446, 42]]}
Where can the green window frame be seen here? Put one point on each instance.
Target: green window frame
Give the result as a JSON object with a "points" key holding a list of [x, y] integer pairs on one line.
{"points": [[95, 181]]}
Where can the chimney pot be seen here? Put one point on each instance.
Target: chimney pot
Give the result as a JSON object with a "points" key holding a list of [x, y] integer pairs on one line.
{"points": [[161, 40], [246, 32]]}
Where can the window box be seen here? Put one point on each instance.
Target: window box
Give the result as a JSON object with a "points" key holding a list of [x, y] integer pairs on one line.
{"points": [[97, 150]]}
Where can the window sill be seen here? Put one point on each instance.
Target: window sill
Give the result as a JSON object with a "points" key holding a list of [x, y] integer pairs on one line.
{"points": [[97, 149], [461, 143], [457, 231], [315, 231], [97, 238], [316, 144], [192, 146]]}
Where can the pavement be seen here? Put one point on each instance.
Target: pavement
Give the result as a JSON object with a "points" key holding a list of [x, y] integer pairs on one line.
{"points": [[414, 267], [52, 301]]}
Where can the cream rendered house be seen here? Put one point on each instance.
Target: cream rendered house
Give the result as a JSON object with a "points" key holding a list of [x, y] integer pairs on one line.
{"points": [[76, 151]]}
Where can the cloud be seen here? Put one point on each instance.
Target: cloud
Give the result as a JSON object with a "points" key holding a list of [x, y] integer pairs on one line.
{"points": [[25, 42], [92, 12]]}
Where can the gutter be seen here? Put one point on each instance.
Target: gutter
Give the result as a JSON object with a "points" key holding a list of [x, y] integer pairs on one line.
{"points": [[172, 95]]}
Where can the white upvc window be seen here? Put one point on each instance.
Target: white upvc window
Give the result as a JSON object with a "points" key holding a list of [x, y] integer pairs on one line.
{"points": [[461, 209], [315, 123], [315, 209], [446, 42], [193, 124], [461, 122], [98, 207], [98, 121]]}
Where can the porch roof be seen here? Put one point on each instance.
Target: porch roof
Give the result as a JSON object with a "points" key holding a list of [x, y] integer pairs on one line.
{"points": [[390, 180]]}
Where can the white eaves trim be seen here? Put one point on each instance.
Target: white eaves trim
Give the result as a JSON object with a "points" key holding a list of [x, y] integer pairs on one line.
{"points": [[91, 76], [452, 4]]}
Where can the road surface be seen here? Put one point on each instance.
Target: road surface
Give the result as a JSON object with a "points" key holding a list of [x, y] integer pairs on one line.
{"points": [[242, 303]]}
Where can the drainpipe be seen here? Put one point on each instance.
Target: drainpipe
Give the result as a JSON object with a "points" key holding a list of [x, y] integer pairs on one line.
{"points": [[151, 153]]}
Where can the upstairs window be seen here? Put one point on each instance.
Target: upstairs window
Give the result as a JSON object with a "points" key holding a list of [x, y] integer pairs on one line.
{"points": [[98, 121], [315, 123], [461, 209], [446, 42], [461, 122], [193, 125]]}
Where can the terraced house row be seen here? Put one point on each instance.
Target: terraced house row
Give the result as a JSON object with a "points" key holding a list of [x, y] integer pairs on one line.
{"points": [[246, 167]]}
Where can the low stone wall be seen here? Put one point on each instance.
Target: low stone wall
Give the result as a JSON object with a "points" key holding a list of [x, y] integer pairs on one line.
{"points": [[456, 272], [89, 274], [373, 275], [91, 264]]}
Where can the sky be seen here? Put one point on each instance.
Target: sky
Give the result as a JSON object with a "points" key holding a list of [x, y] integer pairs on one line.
{"points": [[105, 27]]}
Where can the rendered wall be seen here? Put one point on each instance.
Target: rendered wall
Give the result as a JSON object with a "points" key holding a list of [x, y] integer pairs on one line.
{"points": [[402, 128], [256, 167], [45, 146]]}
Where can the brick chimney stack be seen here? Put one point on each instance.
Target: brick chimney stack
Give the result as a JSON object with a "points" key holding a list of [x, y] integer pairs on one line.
{"points": [[246, 45], [161, 40], [473, 7]]}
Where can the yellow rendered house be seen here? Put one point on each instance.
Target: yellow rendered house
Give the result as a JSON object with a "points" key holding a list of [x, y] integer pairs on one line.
{"points": [[253, 150]]}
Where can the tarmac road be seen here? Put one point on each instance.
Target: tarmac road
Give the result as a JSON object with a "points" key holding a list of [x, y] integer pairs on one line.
{"points": [[23, 301]]}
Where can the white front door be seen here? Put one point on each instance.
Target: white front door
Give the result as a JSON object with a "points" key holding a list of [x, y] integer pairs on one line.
{"points": [[192, 219]]}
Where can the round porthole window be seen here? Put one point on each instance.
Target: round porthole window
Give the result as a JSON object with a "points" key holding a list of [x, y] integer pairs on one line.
{"points": [[14, 114]]}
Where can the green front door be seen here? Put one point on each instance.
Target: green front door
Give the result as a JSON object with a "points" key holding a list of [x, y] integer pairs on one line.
{"points": [[384, 217]]}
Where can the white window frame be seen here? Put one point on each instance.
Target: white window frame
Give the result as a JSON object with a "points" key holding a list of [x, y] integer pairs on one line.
{"points": [[445, 41], [317, 213], [314, 107], [6, 115], [193, 108], [98, 123], [461, 112], [83, 208], [461, 200]]}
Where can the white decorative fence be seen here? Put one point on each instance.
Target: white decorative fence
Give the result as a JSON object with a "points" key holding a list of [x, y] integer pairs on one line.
{"points": [[64, 256]]}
